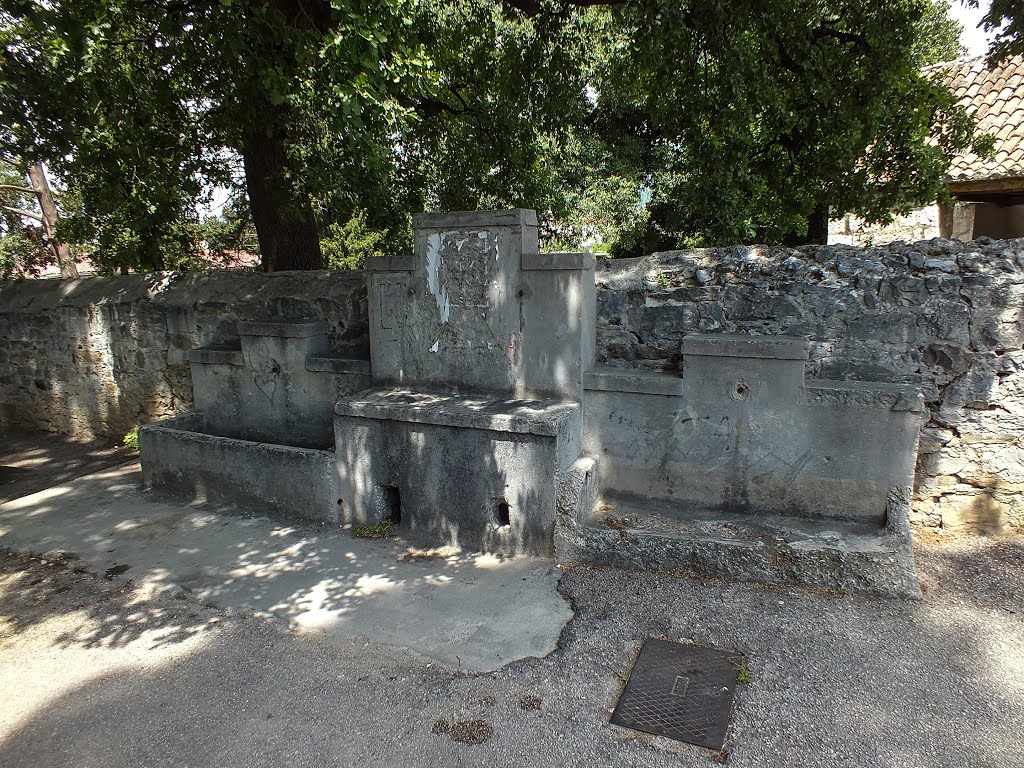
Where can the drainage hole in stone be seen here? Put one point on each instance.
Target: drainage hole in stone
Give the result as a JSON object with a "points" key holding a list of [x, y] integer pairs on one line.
{"points": [[503, 512], [389, 504]]}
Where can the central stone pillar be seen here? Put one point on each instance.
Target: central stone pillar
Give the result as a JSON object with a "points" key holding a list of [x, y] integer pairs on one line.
{"points": [[478, 344]]}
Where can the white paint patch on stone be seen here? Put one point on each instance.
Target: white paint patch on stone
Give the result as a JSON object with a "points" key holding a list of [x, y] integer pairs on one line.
{"points": [[486, 236], [435, 346], [439, 292]]}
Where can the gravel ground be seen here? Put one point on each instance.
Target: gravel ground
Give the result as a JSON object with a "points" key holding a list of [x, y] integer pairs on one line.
{"points": [[96, 676]]}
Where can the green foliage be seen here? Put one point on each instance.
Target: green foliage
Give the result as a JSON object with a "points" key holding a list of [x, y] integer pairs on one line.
{"points": [[22, 254], [347, 245], [641, 125], [753, 115], [938, 36], [131, 441], [1006, 18], [230, 235]]}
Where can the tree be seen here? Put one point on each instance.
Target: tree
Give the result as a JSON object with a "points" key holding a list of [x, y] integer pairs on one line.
{"points": [[332, 108], [738, 118], [758, 117], [1006, 19], [48, 216]]}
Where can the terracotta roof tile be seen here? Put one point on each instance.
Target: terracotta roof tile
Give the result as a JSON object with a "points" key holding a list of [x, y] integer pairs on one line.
{"points": [[996, 97]]}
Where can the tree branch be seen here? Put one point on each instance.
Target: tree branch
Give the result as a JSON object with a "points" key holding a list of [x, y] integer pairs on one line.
{"points": [[534, 8], [16, 188], [825, 30], [20, 212]]}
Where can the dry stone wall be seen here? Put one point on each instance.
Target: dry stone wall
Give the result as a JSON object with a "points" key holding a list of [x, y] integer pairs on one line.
{"points": [[943, 314], [100, 355]]}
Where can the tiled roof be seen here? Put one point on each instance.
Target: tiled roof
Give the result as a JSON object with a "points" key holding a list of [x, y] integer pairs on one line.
{"points": [[996, 97]]}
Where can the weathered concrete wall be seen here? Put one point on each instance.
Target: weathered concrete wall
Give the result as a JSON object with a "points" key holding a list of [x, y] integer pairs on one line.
{"points": [[98, 356], [944, 314]]}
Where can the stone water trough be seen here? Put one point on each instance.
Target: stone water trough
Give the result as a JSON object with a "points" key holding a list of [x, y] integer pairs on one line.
{"points": [[481, 421]]}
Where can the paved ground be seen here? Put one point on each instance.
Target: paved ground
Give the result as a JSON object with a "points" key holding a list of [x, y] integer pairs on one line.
{"points": [[98, 672], [31, 462], [473, 613]]}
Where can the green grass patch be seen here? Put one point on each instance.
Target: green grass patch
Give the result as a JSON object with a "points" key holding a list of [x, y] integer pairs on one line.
{"points": [[381, 530], [744, 676]]}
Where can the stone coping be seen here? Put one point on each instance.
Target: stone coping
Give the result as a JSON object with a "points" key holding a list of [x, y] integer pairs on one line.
{"points": [[745, 345], [645, 382], [336, 364], [389, 264], [217, 355], [513, 217], [557, 261], [536, 417], [282, 328], [895, 397]]}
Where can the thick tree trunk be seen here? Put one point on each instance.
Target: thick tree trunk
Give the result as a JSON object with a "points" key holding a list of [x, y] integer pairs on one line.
{"points": [[817, 226], [37, 177], [284, 221], [817, 229]]}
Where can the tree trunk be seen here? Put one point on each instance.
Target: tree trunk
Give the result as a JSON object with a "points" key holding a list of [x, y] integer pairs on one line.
{"points": [[817, 226], [61, 251], [284, 221], [817, 230]]}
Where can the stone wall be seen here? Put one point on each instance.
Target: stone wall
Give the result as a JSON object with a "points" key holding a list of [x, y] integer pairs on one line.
{"points": [[98, 356], [943, 314]]}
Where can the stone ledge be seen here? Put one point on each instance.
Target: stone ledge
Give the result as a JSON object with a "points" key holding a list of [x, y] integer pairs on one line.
{"points": [[282, 328], [608, 379], [743, 345], [389, 264], [827, 554], [895, 397], [536, 417], [558, 261], [339, 365], [216, 356], [514, 217]]}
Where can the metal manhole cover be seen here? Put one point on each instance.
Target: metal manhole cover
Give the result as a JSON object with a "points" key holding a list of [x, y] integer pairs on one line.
{"points": [[684, 692]]}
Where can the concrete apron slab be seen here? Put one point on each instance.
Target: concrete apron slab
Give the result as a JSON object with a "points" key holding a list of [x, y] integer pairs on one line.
{"points": [[476, 613]]}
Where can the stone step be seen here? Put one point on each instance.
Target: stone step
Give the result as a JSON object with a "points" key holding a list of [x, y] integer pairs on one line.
{"points": [[841, 555]]}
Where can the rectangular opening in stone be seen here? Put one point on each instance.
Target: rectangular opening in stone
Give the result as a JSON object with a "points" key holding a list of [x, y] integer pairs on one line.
{"points": [[683, 692], [502, 512], [388, 504]]}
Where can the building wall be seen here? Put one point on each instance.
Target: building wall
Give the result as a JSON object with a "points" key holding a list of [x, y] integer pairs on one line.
{"points": [[998, 221], [98, 356]]}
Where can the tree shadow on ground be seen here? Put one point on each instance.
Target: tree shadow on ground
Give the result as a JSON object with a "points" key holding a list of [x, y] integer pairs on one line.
{"points": [[111, 611], [312, 577], [31, 462], [977, 570]]}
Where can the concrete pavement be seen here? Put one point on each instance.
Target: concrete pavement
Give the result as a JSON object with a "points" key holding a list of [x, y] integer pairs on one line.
{"points": [[147, 668], [469, 612]]}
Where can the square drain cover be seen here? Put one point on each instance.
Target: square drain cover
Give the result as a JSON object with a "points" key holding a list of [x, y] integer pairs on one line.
{"points": [[684, 692]]}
